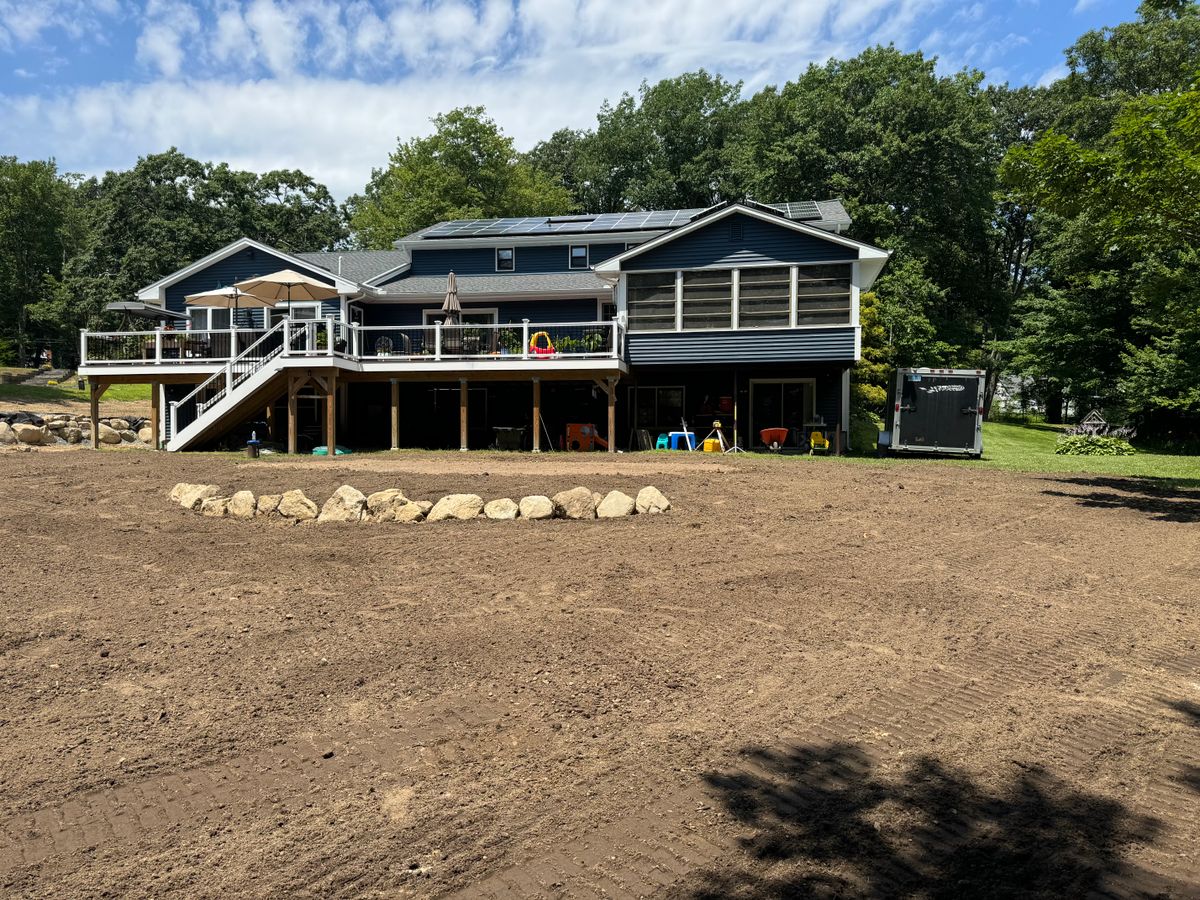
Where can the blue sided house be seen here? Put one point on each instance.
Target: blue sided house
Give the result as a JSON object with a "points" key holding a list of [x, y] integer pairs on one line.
{"points": [[577, 332]]}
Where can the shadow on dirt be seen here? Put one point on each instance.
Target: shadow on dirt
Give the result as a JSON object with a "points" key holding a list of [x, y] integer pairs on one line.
{"points": [[826, 822], [1191, 711], [1164, 501]]}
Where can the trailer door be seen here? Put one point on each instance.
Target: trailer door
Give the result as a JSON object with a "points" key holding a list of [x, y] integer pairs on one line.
{"points": [[939, 411]]}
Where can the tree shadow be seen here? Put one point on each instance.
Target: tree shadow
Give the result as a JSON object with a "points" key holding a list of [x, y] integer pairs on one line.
{"points": [[1190, 775], [827, 822], [1168, 501]]}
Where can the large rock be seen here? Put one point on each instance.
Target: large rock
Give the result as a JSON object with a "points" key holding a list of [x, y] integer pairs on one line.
{"points": [[242, 505], [577, 503], [145, 434], [456, 506], [215, 507], [127, 436], [425, 505], [108, 435], [294, 505], [381, 505], [615, 505], [118, 424], [29, 434], [346, 505], [6, 434], [409, 512], [501, 509], [651, 500], [194, 495], [72, 434], [536, 507], [267, 504]]}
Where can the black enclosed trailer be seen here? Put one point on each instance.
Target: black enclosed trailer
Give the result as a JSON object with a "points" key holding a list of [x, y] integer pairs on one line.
{"points": [[935, 411]]}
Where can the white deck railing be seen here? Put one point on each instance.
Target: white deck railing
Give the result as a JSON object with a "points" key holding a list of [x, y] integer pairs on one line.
{"points": [[375, 343]]}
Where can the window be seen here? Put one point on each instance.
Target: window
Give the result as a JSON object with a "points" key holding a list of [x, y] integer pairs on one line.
{"points": [[506, 259], [209, 318], [764, 297], [579, 256], [823, 295], [466, 317], [293, 311], [708, 299], [651, 301], [657, 408]]}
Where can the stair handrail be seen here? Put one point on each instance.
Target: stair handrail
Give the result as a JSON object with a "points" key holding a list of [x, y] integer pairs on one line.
{"points": [[226, 372]]}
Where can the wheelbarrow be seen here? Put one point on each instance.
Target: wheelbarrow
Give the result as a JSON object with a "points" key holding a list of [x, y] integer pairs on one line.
{"points": [[774, 438]]}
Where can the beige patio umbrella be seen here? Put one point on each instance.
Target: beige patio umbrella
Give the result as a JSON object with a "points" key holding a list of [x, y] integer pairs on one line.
{"points": [[451, 307], [287, 285], [227, 298]]}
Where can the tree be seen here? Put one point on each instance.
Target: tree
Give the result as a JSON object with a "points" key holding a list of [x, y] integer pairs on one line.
{"points": [[466, 169]]}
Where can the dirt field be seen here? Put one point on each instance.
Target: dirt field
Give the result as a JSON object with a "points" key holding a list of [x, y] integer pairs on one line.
{"points": [[808, 678]]}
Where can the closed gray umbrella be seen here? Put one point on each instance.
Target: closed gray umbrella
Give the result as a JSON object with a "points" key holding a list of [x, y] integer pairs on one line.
{"points": [[451, 307]]}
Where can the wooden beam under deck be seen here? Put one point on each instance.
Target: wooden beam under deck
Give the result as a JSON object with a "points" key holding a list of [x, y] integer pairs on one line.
{"points": [[331, 393], [293, 387], [96, 390], [462, 414], [155, 406], [395, 414], [537, 415]]}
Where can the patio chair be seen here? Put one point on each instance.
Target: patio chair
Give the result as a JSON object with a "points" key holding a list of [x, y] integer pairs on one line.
{"points": [[383, 346], [817, 443]]}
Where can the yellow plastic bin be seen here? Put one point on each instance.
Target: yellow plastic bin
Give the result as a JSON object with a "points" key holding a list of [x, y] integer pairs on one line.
{"points": [[712, 445]]}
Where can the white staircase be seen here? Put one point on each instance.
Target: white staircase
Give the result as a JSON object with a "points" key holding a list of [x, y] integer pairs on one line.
{"points": [[224, 391]]}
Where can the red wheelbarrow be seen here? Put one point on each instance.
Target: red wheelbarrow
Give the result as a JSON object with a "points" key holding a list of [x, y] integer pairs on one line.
{"points": [[774, 438]]}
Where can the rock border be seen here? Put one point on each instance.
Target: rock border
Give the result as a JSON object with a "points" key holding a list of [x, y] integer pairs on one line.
{"points": [[350, 505]]}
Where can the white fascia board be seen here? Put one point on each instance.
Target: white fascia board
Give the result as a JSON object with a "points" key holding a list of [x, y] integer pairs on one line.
{"points": [[610, 269], [493, 295], [500, 240], [157, 292]]}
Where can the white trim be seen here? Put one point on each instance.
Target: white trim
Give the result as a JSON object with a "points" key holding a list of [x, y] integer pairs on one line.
{"points": [[854, 293], [283, 307], [771, 264], [521, 240], [679, 300], [735, 297], [513, 251], [157, 292], [487, 295], [613, 265], [793, 295], [587, 257]]}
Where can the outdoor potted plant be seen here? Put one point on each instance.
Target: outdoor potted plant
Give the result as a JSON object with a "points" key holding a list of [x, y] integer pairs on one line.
{"points": [[510, 342], [567, 344]]}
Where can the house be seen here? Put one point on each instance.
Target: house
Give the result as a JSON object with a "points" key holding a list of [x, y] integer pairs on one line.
{"points": [[634, 323]]}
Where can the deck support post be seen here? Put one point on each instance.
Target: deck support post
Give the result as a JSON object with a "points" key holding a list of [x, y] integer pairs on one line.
{"points": [[395, 414], [331, 397], [612, 415], [291, 405], [462, 414], [94, 392], [537, 415], [269, 418], [155, 411]]}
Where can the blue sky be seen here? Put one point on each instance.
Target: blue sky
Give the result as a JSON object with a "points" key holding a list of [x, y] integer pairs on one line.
{"points": [[328, 86]]}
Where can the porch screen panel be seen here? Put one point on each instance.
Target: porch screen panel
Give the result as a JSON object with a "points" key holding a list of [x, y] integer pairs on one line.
{"points": [[651, 301], [823, 295], [708, 299], [764, 296]]}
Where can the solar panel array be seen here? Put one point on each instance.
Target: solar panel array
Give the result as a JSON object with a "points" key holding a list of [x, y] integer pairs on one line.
{"points": [[654, 220]]}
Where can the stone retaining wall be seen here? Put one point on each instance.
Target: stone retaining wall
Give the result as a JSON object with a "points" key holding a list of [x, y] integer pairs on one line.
{"points": [[29, 430]]}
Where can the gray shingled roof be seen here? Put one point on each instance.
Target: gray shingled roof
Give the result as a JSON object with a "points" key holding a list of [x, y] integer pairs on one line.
{"points": [[357, 265], [585, 283]]}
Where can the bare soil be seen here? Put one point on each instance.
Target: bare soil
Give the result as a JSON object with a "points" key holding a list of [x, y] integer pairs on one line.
{"points": [[808, 678]]}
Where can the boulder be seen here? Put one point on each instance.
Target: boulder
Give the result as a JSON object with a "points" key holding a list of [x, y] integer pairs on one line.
{"points": [[577, 503], [536, 507], [242, 505], [145, 434], [346, 505], [501, 509], [615, 505], [425, 505], [294, 505], [127, 436], [382, 504], [267, 504], [118, 424], [651, 500], [215, 507], [6, 434], [108, 435], [409, 512], [29, 434], [194, 495], [456, 506], [72, 434]]}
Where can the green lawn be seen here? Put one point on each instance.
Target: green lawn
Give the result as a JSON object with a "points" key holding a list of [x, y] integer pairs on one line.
{"points": [[31, 394]]}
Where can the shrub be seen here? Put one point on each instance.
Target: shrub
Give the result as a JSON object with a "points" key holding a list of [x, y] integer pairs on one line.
{"points": [[1093, 445]]}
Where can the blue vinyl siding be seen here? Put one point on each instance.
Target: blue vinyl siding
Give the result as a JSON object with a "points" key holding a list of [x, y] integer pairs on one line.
{"points": [[761, 243], [247, 263], [650, 348], [482, 260], [404, 315]]}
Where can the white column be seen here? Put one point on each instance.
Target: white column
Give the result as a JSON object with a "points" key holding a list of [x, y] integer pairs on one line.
{"points": [[524, 339], [679, 301], [329, 335], [736, 297], [437, 340], [793, 291], [616, 339], [854, 294], [158, 346], [287, 337], [82, 346]]}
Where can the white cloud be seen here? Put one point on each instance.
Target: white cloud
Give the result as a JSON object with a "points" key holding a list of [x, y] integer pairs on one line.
{"points": [[169, 26], [1084, 5], [1053, 74]]}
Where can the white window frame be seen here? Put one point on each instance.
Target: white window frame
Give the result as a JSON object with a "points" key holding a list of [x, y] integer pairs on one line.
{"points": [[208, 311], [283, 308], [587, 256], [513, 251], [429, 316]]}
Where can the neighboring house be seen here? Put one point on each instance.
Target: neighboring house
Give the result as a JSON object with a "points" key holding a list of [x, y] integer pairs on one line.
{"points": [[633, 322]]}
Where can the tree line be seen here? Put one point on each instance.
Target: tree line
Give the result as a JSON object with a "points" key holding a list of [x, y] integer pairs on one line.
{"points": [[1048, 232]]}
